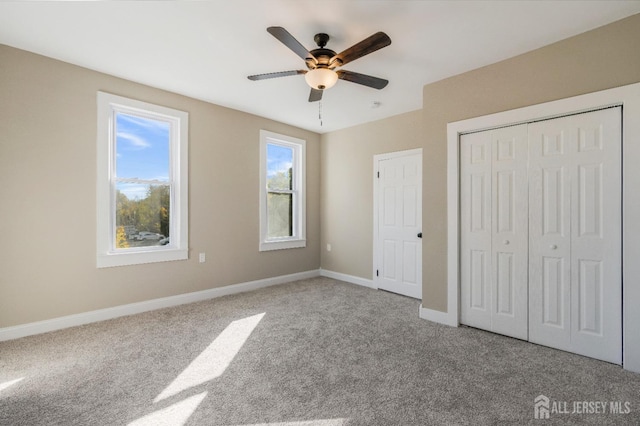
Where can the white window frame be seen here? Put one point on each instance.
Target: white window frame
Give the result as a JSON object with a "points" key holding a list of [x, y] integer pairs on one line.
{"points": [[178, 248], [299, 189]]}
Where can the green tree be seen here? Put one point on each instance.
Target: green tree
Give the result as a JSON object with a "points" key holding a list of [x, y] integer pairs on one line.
{"points": [[281, 180], [151, 213], [154, 210], [121, 238]]}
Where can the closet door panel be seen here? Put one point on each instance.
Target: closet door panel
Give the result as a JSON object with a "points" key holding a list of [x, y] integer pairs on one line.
{"points": [[475, 224], [596, 281], [550, 165], [509, 231]]}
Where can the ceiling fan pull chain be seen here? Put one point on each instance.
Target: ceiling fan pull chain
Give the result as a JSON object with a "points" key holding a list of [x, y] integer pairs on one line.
{"points": [[320, 112]]}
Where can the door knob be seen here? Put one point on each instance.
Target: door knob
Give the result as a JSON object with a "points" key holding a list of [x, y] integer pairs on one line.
{"points": [[506, 242], [553, 246], [419, 234]]}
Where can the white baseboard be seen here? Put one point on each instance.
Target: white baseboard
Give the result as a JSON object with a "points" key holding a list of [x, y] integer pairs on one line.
{"points": [[29, 329], [348, 278], [438, 316]]}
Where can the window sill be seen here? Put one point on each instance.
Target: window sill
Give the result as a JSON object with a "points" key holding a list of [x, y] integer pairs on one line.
{"points": [[281, 245], [137, 258]]}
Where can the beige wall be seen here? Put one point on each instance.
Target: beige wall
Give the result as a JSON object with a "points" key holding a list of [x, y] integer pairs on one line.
{"points": [[48, 204], [603, 58], [347, 188]]}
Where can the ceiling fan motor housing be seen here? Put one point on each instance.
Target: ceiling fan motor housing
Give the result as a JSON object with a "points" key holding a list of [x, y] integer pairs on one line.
{"points": [[322, 56]]}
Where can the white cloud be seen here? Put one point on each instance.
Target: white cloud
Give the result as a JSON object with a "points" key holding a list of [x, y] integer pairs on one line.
{"points": [[134, 192], [136, 141], [275, 165]]}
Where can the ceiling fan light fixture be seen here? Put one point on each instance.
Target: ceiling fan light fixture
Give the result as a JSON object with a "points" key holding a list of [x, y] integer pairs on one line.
{"points": [[321, 78]]}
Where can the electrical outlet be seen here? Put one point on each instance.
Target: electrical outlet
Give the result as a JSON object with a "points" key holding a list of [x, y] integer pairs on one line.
{"points": [[202, 258]]}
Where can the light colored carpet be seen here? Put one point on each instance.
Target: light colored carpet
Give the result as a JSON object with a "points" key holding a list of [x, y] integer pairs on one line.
{"points": [[313, 352]]}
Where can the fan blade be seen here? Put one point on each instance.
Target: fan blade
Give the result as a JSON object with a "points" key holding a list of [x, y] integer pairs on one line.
{"points": [[365, 80], [315, 95], [275, 74], [366, 46], [288, 40]]}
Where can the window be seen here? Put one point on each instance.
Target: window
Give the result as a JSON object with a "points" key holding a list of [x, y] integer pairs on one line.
{"points": [[142, 182], [282, 192]]}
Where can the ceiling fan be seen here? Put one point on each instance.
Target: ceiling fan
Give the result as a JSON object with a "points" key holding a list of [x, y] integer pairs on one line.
{"points": [[321, 73]]}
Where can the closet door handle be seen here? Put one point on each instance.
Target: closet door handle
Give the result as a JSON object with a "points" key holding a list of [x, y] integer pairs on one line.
{"points": [[419, 234], [506, 242], [553, 246]]}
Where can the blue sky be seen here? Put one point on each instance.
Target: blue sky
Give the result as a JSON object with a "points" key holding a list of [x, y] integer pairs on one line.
{"points": [[142, 152], [279, 159]]}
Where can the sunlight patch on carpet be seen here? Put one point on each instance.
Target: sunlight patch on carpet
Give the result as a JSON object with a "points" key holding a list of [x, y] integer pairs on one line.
{"points": [[174, 415], [214, 360], [5, 385]]}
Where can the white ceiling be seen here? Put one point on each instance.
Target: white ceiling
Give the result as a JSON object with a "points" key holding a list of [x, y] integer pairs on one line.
{"points": [[207, 49]]}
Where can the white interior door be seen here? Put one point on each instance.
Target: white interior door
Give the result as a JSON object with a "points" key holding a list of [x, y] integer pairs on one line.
{"points": [[399, 223], [494, 234], [575, 276]]}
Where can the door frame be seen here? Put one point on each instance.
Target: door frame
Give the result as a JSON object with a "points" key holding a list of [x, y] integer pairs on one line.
{"points": [[626, 96], [376, 199]]}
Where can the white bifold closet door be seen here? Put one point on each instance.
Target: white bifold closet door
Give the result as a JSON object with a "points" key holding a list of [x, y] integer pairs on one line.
{"points": [[540, 229], [494, 245], [575, 271]]}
